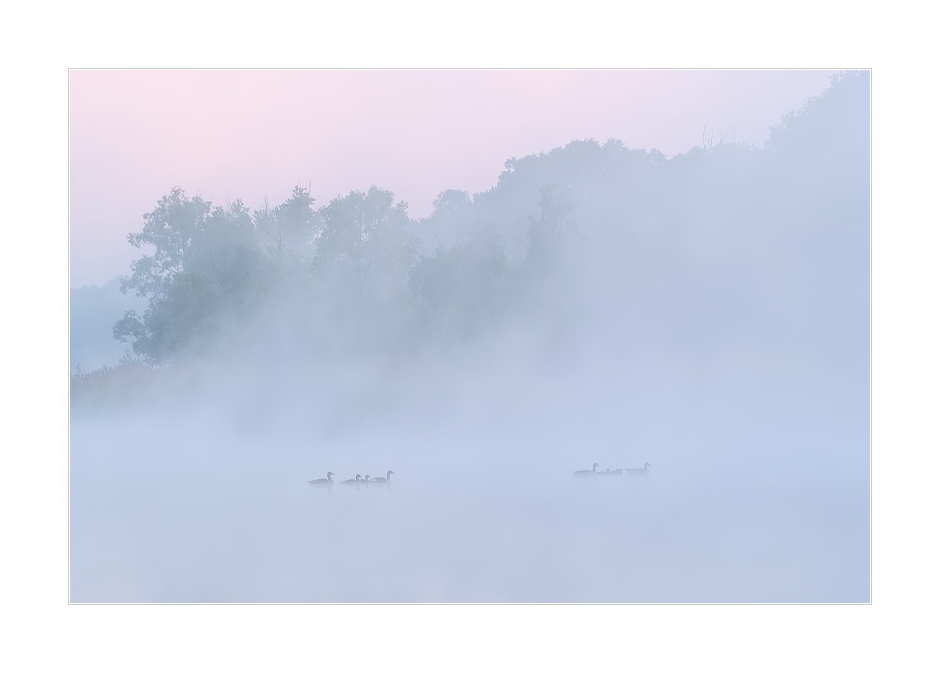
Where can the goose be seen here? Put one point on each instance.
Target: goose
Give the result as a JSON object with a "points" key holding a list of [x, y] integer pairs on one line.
{"points": [[587, 473], [352, 482], [328, 482], [374, 481], [383, 480], [611, 473], [639, 471]]}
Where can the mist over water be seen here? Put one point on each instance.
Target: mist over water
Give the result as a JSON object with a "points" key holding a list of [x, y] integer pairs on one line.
{"points": [[707, 314]]}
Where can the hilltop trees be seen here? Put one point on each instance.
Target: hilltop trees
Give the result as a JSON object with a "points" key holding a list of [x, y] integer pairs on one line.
{"points": [[547, 232], [204, 265], [720, 243], [213, 267], [364, 245], [287, 232], [170, 228]]}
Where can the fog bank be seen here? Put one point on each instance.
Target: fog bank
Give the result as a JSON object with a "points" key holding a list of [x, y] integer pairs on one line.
{"points": [[706, 314]]}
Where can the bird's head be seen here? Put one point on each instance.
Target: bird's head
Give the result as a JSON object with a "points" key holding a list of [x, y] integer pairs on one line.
{"points": [[646, 465], [595, 466], [329, 474]]}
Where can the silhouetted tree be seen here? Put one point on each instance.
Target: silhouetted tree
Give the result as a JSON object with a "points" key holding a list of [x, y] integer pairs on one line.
{"points": [[204, 265]]}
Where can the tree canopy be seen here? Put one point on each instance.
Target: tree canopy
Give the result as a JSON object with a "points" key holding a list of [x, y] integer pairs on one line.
{"points": [[723, 232]]}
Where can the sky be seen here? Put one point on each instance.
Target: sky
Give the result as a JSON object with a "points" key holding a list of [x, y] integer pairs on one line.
{"points": [[251, 135]]}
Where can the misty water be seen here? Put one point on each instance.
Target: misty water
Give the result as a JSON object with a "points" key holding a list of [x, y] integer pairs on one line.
{"points": [[754, 494], [706, 314]]}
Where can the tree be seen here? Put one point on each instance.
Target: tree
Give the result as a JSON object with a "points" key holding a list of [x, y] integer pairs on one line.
{"points": [[204, 264], [170, 229], [553, 224], [291, 225], [450, 222], [364, 243]]}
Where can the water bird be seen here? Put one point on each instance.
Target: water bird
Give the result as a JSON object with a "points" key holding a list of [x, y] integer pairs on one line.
{"points": [[587, 473], [384, 480], [328, 482], [352, 482], [639, 471], [611, 473]]}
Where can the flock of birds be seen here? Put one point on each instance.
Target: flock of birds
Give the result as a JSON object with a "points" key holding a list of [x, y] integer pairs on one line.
{"points": [[359, 481], [630, 471], [328, 483]]}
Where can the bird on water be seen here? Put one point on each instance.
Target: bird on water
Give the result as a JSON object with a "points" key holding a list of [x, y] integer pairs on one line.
{"points": [[639, 471], [322, 482], [587, 473], [352, 482], [383, 480], [328, 482]]}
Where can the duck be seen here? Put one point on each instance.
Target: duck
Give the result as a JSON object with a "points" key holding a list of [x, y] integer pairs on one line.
{"points": [[383, 480], [328, 482], [639, 471], [352, 482], [587, 473]]}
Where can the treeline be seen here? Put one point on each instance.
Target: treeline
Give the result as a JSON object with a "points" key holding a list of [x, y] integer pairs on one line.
{"points": [[354, 265], [708, 233]]}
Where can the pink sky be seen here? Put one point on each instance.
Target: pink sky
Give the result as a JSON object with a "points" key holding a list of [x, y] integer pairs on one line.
{"points": [[251, 134]]}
